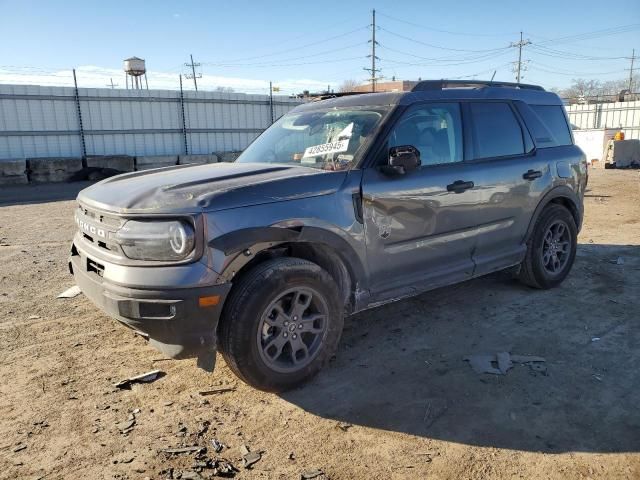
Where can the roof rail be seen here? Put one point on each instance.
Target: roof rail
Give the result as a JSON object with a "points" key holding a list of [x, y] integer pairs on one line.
{"points": [[441, 84], [316, 97]]}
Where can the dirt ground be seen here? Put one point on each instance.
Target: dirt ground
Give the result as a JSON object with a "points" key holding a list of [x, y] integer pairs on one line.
{"points": [[397, 402]]}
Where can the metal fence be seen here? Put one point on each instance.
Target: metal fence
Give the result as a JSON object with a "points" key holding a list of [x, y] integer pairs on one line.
{"points": [[625, 115], [40, 121]]}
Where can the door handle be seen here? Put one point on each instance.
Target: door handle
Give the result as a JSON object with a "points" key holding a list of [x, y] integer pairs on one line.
{"points": [[532, 174], [459, 186]]}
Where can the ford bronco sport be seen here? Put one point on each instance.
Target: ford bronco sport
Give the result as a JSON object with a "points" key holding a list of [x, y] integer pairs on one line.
{"points": [[343, 204]]}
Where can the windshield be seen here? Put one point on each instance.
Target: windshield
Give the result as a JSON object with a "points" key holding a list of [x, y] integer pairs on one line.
{"points": [[324, 139]]}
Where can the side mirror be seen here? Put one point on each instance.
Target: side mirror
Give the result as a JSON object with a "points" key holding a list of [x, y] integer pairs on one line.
{"points": [[403, 159]]}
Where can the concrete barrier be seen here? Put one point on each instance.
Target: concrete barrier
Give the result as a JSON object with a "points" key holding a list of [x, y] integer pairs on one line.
{"points": [[155, 161], [626, 153], [13, 171], [121, 163], [198, 159], [43, 170], [228, 156]]}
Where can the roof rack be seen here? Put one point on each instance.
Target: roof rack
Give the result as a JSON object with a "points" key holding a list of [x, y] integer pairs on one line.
{"points": [[442, 84]]}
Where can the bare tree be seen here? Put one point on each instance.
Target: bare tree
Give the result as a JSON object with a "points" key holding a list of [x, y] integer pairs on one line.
{"points": [[225, 89], [348, 85], [582, 90]]}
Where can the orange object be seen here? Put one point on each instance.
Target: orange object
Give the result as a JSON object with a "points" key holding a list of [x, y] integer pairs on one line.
{"points": [[619, 135], [210, 301]]}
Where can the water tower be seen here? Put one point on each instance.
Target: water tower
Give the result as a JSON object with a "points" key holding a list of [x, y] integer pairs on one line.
{"points": [[134, 67]]}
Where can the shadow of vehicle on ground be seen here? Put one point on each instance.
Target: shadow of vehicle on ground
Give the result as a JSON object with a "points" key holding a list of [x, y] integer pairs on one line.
{"points": [[400, 367]]}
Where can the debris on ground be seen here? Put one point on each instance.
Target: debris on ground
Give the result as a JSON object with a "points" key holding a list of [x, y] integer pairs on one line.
{"points": [[189, 475], [248, 457], [203, 428], [127, 425], [216, 391], [344, 426], [309, 474], [217, 445], [19, 447], [142, 378], [224, 468], [33, 317], [70, 292], [179, 450], [501, 362]]}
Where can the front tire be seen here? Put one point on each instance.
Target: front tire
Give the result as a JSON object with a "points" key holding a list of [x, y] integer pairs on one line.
{"points": [[551, 249], [281, 324]]}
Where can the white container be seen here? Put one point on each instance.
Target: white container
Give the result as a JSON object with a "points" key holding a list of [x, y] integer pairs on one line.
{"points": [[593, 141]]}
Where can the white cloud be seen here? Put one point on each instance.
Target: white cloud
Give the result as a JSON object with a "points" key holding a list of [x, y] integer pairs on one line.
{"points": [[98, 77]]}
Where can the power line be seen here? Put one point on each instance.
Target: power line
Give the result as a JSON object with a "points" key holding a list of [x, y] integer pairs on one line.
{"points": [[593, 34], [550, 52], [448, 58], [466, 34], [439, 46], [482, 58], [325, 52], [301, 46]]}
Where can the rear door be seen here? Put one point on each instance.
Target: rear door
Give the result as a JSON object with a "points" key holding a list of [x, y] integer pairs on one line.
{"points": [[509, 176]]}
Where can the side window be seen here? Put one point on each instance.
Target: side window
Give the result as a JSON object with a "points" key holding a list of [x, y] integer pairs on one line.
{"points": [[553, 118], [497, 132], [435, 129]]}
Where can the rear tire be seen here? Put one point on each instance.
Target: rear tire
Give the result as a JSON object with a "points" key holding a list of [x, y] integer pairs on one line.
{"points": [[281, 323], [551, 249]]}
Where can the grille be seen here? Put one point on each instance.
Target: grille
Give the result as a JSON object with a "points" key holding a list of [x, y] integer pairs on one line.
{"points": [[98, 229]]}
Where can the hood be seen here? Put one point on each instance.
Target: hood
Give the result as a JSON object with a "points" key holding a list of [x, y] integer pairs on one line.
{"points": [[216, 186]]}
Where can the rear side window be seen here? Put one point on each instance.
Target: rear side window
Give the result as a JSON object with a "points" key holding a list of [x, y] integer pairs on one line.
{"points": [[553, 118], [497, 132]]}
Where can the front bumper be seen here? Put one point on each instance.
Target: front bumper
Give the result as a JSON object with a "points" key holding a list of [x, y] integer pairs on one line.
{"points": [[172, 319]]}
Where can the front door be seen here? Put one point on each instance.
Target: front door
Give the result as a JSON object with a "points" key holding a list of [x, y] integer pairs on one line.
{"points": [[418, 225]]}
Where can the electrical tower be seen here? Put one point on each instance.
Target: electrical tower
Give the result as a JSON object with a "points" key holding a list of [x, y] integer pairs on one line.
{"points": [[373, 70], [193, 75], [518, 67]]}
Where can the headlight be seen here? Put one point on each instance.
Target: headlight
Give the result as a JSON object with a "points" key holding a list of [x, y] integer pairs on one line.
{"points": [[158, 240]]}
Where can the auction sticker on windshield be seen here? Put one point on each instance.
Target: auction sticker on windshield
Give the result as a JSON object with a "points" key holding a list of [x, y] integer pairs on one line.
{"points": [[325, 148]]}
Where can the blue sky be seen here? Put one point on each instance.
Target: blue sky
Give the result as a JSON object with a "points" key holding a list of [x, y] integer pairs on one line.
{"points": [[307, 45]]}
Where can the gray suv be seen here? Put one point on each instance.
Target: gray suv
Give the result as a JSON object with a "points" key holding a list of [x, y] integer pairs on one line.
{"points": [[343, 204]]}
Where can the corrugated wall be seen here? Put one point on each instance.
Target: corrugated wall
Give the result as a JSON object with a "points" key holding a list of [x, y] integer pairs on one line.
{"points": [[38, 121], [607, 115]]}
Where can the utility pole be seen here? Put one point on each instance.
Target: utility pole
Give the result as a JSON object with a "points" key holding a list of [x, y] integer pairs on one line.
{"points": [[271, 101], [113, 85], [193, 75], [373, 70], [520, 44], [633, 57]]}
